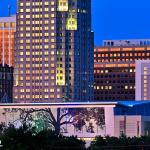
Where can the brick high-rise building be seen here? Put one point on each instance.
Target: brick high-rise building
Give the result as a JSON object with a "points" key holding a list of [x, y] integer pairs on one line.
{"points": [[7, 45], [54, 51], [114, 69]]}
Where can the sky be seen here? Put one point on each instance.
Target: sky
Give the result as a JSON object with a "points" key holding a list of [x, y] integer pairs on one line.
{"points": [[112, 19]]}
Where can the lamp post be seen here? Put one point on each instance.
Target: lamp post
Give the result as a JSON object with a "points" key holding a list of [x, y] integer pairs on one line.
{"points": [[0, 144]]}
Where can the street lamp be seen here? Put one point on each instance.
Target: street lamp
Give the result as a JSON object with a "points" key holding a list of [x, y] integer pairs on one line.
{"points": [[0, 144]]}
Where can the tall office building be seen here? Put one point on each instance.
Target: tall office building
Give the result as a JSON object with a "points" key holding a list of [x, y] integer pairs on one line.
{"points": [[114, 69], [54, 51], [7, 44]]}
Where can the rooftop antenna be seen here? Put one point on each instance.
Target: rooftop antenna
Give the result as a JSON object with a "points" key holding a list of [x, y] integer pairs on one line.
{"points": [[9, 10]]}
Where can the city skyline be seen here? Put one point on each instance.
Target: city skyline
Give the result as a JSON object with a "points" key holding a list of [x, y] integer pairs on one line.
{"points": [[131, 17]]}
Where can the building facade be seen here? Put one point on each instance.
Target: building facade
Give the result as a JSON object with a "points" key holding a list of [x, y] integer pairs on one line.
{"points": [[7, 43], [54, 51], [7, 46], [114, 71], [6, 84], [142, 80], [77, 119]]}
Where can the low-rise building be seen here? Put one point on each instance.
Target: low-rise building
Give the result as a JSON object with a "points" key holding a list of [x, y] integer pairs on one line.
{"points": [[84, 120]]}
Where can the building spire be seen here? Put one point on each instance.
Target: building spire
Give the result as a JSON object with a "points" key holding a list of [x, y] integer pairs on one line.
{"points": [[9, 9]]}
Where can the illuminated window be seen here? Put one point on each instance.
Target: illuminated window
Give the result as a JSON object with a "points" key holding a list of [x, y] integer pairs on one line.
{"points": [[21, 4], [46, 9], [27, 16], [71, 24], [52, 3], [46, 3], [51, 90], [52, 65], [52, 9], [52, 34], [52, 46], [52, 40], [27, 10], [62, 5], [21, 10], [52, 77], [45, 96], [52, 15], [52, 21]]}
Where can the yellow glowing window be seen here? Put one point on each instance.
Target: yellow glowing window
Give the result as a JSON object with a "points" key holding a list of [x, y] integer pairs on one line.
{"points": [[21, 16], [52, 15], [46, 9], [52, 34], [21, 22], [51, 90], [52, 27], [46, 15], [115, 49], [46, 3], [52, 40], [52, 52], [52, 58], [21, 10], [52, 21], [52, 9], [52, 65], [71, 24], [62, 5], [52, 71], [127, 49], [139, 48], [21, 4], [27, 10], [52, 3], [28, 4], [46, 96]]}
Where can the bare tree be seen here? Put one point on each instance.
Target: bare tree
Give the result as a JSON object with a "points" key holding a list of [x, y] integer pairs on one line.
{"points": [[78, 117]]}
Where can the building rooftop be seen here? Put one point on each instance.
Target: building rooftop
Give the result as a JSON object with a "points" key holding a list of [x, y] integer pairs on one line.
{"points": [[8, 19], [76, 104], [127, 42], [141, 108]]}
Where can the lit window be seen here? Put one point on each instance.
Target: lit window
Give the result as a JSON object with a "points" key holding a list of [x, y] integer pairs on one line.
{"points": [[52, 9]]}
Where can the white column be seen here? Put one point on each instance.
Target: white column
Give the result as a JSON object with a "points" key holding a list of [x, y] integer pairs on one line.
{"points": [[3, 49], [138, 81], [109, 121], [9, 52]]}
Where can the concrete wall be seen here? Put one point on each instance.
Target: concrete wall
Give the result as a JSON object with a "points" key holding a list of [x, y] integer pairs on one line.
{"points": [[109, 121], [130, 127]]}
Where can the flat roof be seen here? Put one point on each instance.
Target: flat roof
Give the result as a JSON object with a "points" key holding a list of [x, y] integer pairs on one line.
{"points": [[76, 104], [61, 105], [8, 19]]}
